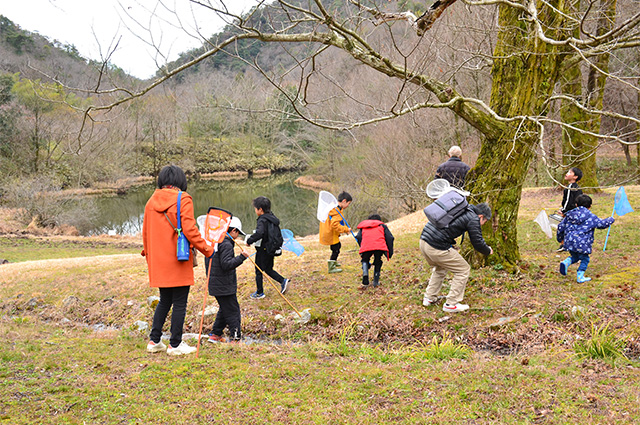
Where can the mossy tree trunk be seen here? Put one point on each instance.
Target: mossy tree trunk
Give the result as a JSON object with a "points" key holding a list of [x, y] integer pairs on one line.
{"points": [[525, 70], [578, 149]]}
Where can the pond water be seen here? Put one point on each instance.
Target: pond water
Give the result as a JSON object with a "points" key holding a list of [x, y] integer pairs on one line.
{"points": [[294, 206]]}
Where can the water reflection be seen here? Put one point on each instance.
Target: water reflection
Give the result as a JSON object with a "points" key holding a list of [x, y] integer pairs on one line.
{"points": [[296, 207]]}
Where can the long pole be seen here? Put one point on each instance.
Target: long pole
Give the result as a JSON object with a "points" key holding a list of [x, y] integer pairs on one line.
{"points": [[345, 220], [609, 229], [204, 305], [269, 279]]}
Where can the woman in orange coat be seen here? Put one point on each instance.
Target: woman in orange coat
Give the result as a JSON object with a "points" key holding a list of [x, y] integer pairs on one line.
{"points": [[173, 278]]}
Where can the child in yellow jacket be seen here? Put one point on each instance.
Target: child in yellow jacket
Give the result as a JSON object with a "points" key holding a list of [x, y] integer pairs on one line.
{"points": [[332, 228]]}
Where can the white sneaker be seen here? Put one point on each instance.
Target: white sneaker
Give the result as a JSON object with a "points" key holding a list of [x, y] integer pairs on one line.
{"points": [[152, 347], [183, 348], [451, 308], [427, 302]]}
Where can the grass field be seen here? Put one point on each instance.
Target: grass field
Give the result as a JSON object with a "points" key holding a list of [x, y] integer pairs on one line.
{"points": [[536, 347]]}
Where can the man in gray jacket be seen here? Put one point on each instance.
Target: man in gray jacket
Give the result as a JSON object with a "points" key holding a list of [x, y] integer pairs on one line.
{"points": [[437, 247]]}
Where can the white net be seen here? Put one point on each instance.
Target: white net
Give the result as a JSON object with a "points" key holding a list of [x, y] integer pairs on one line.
{"points": [[201, 220], [439, 187], [326, 202]]}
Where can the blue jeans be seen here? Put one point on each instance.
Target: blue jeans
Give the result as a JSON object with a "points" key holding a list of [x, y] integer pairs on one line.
{"points": [[582, 258]]}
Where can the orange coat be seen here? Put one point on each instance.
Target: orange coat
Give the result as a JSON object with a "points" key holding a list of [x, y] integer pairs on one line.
{"points": [[331, 229], [160, 239]]}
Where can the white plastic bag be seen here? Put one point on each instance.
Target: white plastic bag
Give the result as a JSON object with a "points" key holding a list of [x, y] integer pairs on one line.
{"points": [[543, 222]]}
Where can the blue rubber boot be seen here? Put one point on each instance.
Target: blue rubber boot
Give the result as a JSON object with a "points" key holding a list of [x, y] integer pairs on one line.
{"points": [[564, 266], [581, 278]]}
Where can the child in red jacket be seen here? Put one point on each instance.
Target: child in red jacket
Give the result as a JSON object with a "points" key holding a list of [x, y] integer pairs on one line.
{"points": [[375, 239]]}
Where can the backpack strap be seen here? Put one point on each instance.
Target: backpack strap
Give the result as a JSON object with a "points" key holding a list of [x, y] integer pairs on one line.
{"points": [[169, 220], [440, 204], [177, 228]]}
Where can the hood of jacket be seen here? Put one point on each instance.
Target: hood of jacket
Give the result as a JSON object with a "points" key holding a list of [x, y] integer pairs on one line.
{"points": [[163, 199], [578, 215], [270, 217], [366, 224], [337, 211]]}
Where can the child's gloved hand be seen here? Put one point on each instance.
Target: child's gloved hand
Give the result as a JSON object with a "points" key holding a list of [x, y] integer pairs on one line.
{"points": [[246, 238]]}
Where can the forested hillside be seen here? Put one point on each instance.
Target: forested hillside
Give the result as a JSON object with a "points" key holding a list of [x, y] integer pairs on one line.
{"points": [[27, 53], [46, 144]]}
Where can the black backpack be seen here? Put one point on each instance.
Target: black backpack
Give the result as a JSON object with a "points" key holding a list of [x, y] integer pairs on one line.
{"points": [[273, 246]]}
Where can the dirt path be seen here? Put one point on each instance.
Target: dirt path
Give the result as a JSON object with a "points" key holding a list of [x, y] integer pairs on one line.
{"points": [[60, 263], [410, 223]]}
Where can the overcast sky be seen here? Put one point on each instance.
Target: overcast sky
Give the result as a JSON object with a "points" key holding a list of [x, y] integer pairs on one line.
{"points": [[93, 26]]}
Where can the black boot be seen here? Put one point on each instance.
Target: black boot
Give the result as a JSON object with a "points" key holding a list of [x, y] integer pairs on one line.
{"points": [[376, 279], [365, 273]]}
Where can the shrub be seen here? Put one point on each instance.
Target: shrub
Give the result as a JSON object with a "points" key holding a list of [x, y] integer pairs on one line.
{"points": [[444, 348], [39, 202], [604, 344]]}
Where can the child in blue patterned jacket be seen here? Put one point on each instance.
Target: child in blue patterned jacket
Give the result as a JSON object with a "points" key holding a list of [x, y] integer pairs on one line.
{"points": [[575, 231]]}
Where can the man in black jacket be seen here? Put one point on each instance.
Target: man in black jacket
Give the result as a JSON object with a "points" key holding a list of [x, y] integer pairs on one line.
{"points": [[454, 170], [437, 247]]}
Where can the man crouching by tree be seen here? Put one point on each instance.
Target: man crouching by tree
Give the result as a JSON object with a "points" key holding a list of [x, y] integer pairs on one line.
{"points": [[437, 246]]}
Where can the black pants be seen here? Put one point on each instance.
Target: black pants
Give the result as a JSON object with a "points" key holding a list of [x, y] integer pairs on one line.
{"points": [[377, 259], [265, 262], [335, 251], [228, 315], [178, 298]]}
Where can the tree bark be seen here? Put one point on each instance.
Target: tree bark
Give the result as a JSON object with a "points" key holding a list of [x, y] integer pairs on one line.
{"points": [[524, 74]]}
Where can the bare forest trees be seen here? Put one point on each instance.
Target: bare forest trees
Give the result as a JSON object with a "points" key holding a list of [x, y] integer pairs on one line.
{"points": [[500, 66]]}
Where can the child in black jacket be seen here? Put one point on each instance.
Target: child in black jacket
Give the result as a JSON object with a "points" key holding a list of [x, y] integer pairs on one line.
{"points": [[570, 195], [572, 191], [223, 284], [264, 259]]}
